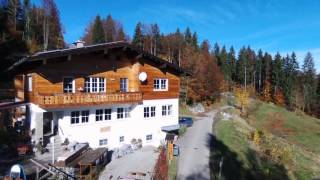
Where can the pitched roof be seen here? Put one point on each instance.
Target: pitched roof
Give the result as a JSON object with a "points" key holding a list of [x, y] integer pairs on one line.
{"points": [[92, 48]]}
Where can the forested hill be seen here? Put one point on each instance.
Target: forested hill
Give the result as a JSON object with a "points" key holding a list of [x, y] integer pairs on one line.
{"points": [[26, 28]]}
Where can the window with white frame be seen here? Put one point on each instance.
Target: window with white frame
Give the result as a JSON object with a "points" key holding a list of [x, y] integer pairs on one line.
{"points": [[166, 110], [127, 112], [149, 112], [29, 83], [153, 111], [160, 84], [76, 116], [149, 137], [123, 113], [121, 138], [103, 142], [99, 114], [169, 108], [84, 116], [103, 114], [146, 112], [107, 114], [95, 84], [124, 84], [68, 85], [120, 113]]}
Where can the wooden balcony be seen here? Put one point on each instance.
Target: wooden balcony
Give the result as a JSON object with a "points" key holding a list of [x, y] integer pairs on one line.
{"points": [[82, 99]]}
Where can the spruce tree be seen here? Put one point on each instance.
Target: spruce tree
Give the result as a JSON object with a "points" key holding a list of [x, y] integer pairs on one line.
{"points": [[195, 40], [110, 29], [232, 63], [98, 31], [309, 82], [138, 36], [188, 36]]}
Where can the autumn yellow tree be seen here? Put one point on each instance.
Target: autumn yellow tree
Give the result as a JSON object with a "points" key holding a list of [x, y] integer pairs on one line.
{"points": [[242, 97]]}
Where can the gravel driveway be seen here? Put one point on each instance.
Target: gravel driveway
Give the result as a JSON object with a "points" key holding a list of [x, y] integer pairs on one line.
{"points": [[140, 161], [193, 162]]}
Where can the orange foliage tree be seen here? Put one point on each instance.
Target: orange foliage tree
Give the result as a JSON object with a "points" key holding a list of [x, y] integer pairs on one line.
{"points": [[279, 98]]}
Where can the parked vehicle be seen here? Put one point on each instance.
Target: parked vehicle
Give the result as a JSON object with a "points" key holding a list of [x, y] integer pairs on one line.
{"points": [[186, 121]]}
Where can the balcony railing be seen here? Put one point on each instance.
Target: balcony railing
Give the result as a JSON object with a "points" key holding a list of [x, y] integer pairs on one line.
{"points": [[73, 99]]}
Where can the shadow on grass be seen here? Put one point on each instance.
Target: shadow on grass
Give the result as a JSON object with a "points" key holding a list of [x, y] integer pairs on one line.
{"points": [[233, 168]]}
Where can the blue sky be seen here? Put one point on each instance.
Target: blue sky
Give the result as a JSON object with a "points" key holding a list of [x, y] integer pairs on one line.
{"points": [[272, 25]]}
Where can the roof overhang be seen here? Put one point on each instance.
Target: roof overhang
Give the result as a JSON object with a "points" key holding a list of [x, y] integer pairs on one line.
{"points": [[40, 58]]}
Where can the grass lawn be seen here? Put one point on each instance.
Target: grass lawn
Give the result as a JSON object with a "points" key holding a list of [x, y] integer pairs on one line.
{"points": [[244, 159], [240, 161], [297, 128]]}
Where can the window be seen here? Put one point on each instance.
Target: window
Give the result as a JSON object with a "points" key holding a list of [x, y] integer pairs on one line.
{"points": [[156, 84], [169, 110], [153, 111], [84, 116], [95, 84], [103, 114], [75, 116], [149, 137], [87, 85], [123, 113], [149, 112], [146, 112], [99, 115], [166, 110], [101, 84], [126, 112], [163, 83], [160, 84], [107, 114], [121, 138], [124, 84], [68, 85], [120, 113], [29, 83], [103, 142]]}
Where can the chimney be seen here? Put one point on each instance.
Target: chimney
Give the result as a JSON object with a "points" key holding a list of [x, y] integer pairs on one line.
{"points": [[78, 44]]}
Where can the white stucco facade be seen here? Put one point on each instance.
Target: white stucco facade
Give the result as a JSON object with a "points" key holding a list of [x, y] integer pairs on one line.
{"points": [[136, 126]]}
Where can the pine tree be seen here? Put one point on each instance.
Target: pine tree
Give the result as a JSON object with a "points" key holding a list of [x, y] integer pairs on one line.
{"points": [[98, 31], [195, 40], [188, 36], [232, 63], [290, 68], [309, 82], [109, 28], [138, 36], [259, 71], [121, 36], [276, 76]]}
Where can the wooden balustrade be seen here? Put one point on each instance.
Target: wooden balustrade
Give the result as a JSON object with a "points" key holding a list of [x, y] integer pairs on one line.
{"points": [[74, 99]]}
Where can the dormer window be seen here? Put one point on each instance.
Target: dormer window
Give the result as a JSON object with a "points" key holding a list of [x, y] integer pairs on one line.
{"points": [[160, 84], [95, 84], [68, 85]]}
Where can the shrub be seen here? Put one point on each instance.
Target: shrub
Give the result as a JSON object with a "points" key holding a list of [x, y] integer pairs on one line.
{"points": [[182, 130]]}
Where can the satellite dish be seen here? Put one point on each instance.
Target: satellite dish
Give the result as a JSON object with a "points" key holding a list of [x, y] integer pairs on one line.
{"points": [[143, 76]]}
